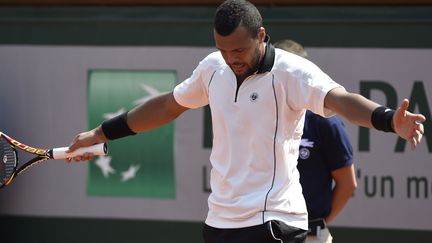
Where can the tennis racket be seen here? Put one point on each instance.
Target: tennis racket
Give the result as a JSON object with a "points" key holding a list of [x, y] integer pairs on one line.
{"points": [[10, 166]]}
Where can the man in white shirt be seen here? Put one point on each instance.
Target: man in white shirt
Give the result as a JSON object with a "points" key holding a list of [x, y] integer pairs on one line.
{"points": [[258, 96], [325, 164]]}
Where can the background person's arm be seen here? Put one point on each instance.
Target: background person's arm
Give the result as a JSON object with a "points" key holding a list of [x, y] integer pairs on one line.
{"points": [[345, 185]]}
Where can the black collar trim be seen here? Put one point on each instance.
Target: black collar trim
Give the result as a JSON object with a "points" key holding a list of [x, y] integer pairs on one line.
{"points": [[267, 62]]}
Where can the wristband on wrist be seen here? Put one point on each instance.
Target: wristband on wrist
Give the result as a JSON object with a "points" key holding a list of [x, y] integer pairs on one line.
{"points": [[117, 127], [381, 119]]}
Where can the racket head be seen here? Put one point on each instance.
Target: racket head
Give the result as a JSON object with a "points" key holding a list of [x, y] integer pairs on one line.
{"points": [[8, 163], [10, 166]]}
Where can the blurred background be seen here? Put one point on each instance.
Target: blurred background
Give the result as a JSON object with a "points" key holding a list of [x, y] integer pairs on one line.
{"points": [[66, 65]]}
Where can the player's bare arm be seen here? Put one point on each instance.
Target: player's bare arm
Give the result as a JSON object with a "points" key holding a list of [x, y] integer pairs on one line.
{"points": [[358, 110], [152, 114], [353, 107]]}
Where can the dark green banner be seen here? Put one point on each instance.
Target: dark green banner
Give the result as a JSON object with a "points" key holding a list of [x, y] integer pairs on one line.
{"points": [[136, 166]]}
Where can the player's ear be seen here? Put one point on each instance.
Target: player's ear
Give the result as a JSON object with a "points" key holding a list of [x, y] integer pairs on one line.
{"points": [[261, 34]]}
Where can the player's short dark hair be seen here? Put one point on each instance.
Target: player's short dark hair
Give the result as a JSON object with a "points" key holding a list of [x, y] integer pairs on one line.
{"points": [[232, 13]]}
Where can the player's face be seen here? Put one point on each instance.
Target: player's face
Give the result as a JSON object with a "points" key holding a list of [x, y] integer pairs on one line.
{"points": [[241, 51]]}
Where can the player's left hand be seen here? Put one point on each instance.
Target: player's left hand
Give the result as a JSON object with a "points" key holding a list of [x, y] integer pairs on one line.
{"points": [[408, 125]]}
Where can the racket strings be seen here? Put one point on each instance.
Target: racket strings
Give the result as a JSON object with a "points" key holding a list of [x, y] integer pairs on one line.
{"points": [[8, 161]]}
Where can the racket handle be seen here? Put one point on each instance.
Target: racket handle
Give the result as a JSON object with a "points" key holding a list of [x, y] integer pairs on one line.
{"points": [[97, 149]]}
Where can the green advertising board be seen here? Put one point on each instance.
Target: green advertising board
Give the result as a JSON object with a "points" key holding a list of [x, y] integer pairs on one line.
{"points": [[136, 166]]}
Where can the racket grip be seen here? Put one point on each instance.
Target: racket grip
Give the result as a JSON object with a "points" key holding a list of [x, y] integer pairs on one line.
{"points": [[97, 149]]}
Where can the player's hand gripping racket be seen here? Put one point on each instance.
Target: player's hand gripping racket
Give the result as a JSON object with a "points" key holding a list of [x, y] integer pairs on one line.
{"points": [[10, 166]]}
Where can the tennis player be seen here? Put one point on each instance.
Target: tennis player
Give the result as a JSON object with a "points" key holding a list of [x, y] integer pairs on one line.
{"points": [[258, 96]]}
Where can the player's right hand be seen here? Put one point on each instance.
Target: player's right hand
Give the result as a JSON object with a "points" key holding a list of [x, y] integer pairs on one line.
{"points": [[86, 139]]}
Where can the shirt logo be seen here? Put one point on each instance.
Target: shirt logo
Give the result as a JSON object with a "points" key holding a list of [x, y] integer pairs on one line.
{"points": [[253, 97], [304, 152], [5, 159], [306, 143]]}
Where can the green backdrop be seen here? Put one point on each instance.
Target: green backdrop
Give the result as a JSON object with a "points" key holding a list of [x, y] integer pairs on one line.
{"points": [[150, 155]]}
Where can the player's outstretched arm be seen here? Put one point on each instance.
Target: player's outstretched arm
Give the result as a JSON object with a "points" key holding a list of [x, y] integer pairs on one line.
{"points": [[152, 114], [364, 112]]}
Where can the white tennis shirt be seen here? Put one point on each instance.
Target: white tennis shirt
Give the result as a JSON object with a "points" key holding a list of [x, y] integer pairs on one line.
{"points": [[256, 135]]}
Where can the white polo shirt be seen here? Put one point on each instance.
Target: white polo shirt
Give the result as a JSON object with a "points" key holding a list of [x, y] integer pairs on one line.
{"points": [[256, 135]]}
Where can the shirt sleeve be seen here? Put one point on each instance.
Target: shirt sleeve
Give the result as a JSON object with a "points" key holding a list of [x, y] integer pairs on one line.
{"points": [[193, 92], [336, 147], [308, 86]]}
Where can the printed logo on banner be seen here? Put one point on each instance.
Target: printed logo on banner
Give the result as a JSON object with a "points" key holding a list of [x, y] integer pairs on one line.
{"points": [[136, 166]]}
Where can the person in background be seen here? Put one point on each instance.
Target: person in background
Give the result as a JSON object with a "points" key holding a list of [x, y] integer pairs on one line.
{"points": [[325, 156]]}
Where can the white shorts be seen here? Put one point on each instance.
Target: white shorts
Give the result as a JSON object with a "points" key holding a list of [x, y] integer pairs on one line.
{"points": [[323, 237]]}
